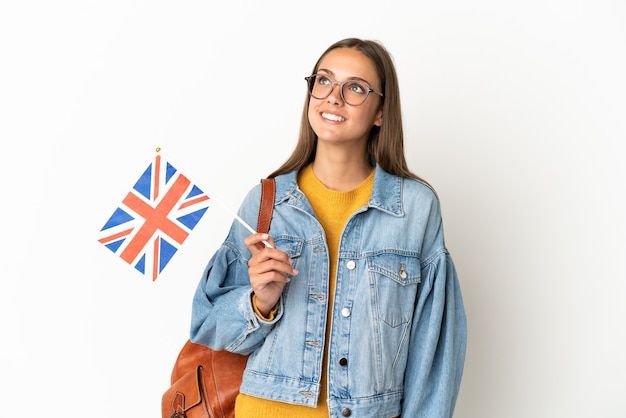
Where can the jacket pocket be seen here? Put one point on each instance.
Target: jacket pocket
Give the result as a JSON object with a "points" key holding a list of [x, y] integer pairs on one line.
{"points": [[394, 279], [292, 246]]}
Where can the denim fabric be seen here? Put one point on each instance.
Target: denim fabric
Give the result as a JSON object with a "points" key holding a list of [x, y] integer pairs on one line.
{"points": [[398, 327]]}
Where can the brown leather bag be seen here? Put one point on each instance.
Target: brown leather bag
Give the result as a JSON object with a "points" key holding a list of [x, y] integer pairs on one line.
{"points": [[205, 382]]}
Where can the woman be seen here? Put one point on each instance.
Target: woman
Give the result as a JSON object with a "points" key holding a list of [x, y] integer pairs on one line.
{"points": [[355, 307]]}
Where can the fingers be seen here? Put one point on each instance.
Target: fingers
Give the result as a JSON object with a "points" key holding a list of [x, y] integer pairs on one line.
{"points": [[270, 269], [270, 260], [258, 241], [266, 259]]}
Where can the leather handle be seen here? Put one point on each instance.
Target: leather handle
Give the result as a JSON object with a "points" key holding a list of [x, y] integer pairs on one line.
{"points": [[268, 195]]}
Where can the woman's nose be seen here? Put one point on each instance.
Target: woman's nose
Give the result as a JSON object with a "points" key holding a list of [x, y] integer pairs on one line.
{"points": [[335, 94]]}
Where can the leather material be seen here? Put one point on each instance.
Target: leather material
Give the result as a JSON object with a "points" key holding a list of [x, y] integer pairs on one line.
{"points": [[205, 382], [268, 195]]}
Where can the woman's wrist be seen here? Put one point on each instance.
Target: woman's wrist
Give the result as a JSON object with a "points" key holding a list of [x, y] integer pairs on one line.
{"points": [[264, 311]]}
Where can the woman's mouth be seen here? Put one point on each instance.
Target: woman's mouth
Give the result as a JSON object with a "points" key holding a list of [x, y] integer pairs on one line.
{"points": [[331, 117]]}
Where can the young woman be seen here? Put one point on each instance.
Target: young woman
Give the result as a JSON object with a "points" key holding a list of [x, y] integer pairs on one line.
{"points": [[355, 309]]}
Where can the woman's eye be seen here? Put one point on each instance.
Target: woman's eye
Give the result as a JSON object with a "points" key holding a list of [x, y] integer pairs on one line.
{"points": [[357, 88], [324, 80]]}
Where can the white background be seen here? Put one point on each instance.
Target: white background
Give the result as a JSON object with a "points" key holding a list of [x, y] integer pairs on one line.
{"points": [[514, 110]]}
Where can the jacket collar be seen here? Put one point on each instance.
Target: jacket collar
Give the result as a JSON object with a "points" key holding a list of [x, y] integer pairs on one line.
{"points": [[386, 194]]}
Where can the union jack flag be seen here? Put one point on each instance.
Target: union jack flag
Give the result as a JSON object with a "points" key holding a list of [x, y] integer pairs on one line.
{"points": [[155, 218]]}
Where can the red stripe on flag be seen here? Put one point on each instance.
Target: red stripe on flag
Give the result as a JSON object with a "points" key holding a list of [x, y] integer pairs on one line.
{"points": [[157, 255], [157, 176], [115, 236], [194, 201]]}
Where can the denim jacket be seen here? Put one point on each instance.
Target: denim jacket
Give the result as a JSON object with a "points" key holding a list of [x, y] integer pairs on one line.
{"points": [[398, 327]]}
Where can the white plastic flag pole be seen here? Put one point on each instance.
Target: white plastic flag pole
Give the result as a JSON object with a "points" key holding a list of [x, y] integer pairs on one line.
{"points": [[238, 218]]}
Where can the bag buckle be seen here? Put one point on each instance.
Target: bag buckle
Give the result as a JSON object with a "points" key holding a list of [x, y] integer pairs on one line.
{"points": [[178, 405]]}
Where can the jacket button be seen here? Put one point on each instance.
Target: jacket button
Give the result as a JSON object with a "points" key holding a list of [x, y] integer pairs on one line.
{"points": [[343, 361], [346, 412], [345, 312], [351, 265]]}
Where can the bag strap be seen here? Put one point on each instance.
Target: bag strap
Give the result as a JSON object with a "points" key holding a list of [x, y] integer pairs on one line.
{"points": [[268, 195]]}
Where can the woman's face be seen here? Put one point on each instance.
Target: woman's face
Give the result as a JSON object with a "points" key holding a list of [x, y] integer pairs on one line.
{"points": [[331, 118]]}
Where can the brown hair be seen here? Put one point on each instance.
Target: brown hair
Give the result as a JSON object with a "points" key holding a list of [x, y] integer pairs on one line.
{"points": [[386, 143]]}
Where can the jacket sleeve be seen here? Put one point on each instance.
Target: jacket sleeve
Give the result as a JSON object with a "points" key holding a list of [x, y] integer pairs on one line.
{"points": [[222, 315], [438, 342]]}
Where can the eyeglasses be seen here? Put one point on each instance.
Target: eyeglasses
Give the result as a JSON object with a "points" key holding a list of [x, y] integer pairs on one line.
{"points": [[353, 92]]}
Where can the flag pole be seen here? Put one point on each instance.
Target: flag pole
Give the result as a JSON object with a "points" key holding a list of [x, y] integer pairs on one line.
{"points": [[238, 218]]}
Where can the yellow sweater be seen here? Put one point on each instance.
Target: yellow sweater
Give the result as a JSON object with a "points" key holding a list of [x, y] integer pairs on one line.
{"points": [[332, 209]]}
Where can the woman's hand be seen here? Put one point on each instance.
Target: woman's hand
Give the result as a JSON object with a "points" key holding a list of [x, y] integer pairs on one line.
{"points": [[268, 269]]}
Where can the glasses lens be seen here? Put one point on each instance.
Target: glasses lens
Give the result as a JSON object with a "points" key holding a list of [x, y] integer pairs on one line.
{"points": [[320, 86], [354, 92]]}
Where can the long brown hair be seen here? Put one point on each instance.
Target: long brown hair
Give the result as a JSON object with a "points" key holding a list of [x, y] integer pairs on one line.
{"points": [[386, 143]]}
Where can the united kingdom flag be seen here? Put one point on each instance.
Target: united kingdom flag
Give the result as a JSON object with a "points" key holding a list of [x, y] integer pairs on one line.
{"points": [[155, 218]]}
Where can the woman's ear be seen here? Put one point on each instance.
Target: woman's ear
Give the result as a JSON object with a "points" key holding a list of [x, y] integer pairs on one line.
{"points": [[379, 118]]}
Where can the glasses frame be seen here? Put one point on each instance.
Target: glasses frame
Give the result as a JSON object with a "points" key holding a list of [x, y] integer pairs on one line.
{"points": [[340, 84]]}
